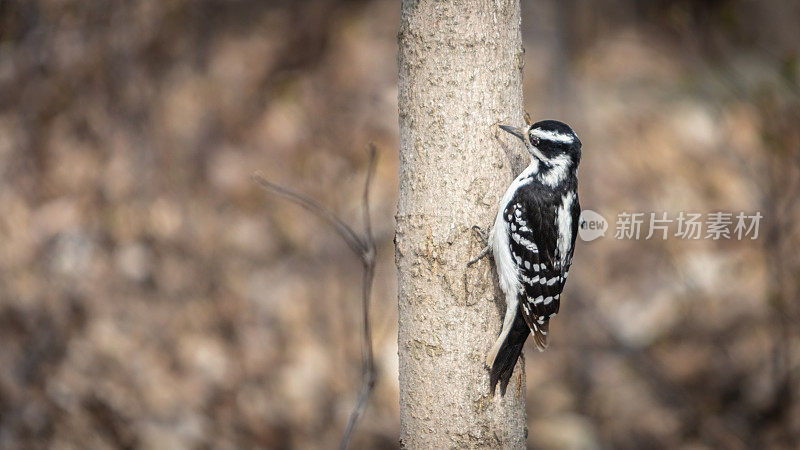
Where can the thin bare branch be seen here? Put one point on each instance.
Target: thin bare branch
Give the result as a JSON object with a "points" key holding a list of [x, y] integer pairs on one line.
{"points": [[373, 158], [367, 357], [350, 237], [364, 248]]}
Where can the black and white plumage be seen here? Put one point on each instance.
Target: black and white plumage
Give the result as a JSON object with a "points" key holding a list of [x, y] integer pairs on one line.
{"points": [[533, 239]]}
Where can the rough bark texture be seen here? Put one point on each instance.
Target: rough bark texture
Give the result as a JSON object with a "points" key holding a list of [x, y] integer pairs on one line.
{"points": [[460, 73]]}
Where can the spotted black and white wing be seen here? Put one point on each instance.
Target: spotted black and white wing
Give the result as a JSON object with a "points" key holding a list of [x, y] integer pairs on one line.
{"points": [[542, 240]]}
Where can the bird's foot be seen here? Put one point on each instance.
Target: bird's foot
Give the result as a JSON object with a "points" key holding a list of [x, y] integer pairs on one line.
{"points": [[483, 236], [480, 256]]}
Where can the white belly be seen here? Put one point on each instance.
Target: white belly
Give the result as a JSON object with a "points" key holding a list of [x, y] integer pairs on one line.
{"points": [[507, 269]]}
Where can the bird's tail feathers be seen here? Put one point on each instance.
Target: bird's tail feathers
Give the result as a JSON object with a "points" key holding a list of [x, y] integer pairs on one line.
{"points": [[502, 366]]}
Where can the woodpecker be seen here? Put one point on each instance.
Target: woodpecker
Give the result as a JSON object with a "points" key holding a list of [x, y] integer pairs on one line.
{"points": [[532, 241]]}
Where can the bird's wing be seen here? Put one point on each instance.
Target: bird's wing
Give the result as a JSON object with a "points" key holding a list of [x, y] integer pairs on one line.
{"points": [[533, 240]]}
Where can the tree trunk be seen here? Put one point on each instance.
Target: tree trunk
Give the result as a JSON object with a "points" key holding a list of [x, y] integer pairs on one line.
{"points": [[460, 73]]}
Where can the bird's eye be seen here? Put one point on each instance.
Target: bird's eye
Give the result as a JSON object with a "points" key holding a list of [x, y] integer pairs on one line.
{"points": [[534, 140]]}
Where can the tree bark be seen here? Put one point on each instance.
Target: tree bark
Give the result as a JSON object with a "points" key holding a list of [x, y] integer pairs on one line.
{"points": [[460, 67]]}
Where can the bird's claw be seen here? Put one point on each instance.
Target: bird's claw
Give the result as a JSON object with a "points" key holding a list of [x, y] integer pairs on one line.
{"points": [[482, 235], [480, 256]]}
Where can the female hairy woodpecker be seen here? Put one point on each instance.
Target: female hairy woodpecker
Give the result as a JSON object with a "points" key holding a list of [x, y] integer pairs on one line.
{"points": [[533, 239]]}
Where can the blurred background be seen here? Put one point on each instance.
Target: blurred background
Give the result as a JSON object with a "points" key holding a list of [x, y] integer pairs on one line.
{"points": [[152, 297]]}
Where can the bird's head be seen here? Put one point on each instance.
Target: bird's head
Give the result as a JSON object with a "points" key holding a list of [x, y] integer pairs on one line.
{"points": [[549, 140]]}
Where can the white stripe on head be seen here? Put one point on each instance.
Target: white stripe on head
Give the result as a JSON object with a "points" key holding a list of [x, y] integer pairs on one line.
{"points": [[553, 136], [538, 154]]}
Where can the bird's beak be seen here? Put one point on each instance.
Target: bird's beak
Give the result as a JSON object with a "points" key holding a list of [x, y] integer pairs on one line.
{"points": [[518, 132]]}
